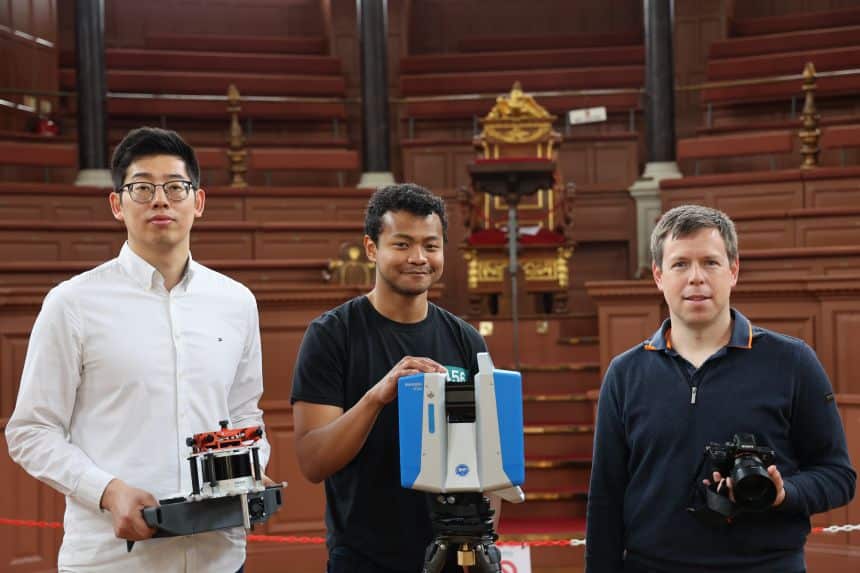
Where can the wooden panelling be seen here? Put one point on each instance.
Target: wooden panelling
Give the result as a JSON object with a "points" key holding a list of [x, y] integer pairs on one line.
{"points": [[610, 160], [525, 59], [786, 41], [214, 240], [129, 23], [794, 16], [736, 198], [800, 262], [602, 159], [438, 26], [147, 81], [698, 23], [438, 166], [832, 192], [840, 318], [59, 203], [743, 193], [27, 549]]}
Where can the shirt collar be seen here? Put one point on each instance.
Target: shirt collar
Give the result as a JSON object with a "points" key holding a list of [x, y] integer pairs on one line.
{"points": [[742, 334], [146, 275]]}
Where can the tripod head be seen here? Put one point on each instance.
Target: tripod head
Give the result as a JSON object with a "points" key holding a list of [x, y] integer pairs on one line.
{"points": [[462, 521]]}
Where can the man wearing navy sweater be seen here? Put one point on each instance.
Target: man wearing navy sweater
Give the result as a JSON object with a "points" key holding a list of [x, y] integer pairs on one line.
{"points": [[704, 376]]}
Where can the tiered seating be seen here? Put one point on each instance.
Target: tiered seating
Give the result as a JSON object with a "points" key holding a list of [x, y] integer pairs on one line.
{"points": [[292, 94], [778, 46], [451, 87], [750, 118], [56, 161], [173, 66], [267, 235]]}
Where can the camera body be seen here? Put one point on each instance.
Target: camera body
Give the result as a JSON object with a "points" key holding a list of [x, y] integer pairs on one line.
{"points": [[746, 464]]}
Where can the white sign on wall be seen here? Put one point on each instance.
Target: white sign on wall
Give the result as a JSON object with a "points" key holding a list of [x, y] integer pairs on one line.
{"points": [[586, 115], [516, 559]]}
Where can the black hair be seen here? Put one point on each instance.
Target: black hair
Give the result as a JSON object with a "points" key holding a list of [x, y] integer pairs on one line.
{"points": [[148, 141], [407, 197]]}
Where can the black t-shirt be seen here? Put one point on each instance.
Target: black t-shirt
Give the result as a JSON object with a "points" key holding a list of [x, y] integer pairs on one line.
{"points": [[343, 354]]}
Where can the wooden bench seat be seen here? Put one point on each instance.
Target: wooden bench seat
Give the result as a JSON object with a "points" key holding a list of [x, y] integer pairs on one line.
{"points": [[252, 273], [840, 136], [784, 90], [768, 142], [39, 154], [796, 22], [789, 63], [531, 80], [137, 59], [754, 192], [77, 241], [822, 227], [550, 42], [284, 159], [523, 60], [187, 82], [800, 262], [557, 104], [257, 44], [70, 203], [775, 125], [217, 109], [784, 42], [65, 155]]}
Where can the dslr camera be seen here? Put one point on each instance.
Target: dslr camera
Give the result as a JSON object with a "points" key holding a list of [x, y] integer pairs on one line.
{"points": [[746, 463]]}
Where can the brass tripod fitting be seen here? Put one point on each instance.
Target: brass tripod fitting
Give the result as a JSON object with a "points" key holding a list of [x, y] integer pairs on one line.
{"points": [[465, 556]]}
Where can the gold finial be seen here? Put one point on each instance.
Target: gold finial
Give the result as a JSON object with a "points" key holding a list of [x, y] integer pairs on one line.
{"points": [[517, 104], [809, 133], [236, 153]]}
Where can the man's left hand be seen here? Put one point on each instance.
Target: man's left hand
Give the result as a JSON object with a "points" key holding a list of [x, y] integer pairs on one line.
{"points": [[775, 477]]}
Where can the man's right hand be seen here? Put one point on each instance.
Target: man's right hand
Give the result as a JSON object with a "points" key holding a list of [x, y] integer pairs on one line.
{"points": [[125, 503], [385, 390]]}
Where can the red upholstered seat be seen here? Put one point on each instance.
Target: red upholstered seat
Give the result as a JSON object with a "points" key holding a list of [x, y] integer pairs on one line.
{"points": [[544, 237]]}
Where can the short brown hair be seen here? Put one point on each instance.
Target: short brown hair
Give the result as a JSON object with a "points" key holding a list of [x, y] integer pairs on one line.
{"points": [[685, 220]]}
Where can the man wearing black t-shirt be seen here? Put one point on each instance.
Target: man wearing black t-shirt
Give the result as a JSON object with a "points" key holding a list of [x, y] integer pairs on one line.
{"points": [[345, 385]]}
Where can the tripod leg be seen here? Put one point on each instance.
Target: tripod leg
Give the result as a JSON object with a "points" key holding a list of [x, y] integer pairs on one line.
{"points": [[434, 557], [488, 559]]}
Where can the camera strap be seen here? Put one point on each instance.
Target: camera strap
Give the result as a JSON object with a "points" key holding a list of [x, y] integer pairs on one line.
{"points": [[706, 503]]}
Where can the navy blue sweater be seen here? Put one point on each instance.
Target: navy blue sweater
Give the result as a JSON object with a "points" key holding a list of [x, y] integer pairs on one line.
{"points": [[655, 415]]}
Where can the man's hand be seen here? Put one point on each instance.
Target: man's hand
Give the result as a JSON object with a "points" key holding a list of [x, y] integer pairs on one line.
{"points": [[775, 477], [385, 390], [125, 504]]}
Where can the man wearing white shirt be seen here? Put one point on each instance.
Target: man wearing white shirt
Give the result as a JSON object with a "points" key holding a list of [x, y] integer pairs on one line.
{"points": [[127, 360]]}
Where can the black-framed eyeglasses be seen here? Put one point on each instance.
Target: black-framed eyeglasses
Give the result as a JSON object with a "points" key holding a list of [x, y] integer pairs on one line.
{"points": [[144, 191]]}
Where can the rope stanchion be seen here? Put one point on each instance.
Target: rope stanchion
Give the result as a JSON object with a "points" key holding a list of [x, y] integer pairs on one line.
{"points": [[316, 540]]}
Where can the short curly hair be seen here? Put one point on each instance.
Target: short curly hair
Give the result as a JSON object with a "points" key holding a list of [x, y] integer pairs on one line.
{"points": [[407, 197]]}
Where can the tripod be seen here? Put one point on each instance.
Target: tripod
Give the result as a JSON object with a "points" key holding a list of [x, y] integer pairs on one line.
{"points": [[463, 521]]}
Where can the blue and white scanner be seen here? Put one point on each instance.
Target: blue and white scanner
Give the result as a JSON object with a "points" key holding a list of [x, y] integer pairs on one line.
{"points": [[460, 436]]}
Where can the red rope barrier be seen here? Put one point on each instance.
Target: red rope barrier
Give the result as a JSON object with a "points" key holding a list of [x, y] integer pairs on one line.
{"points": [[312, 540]]}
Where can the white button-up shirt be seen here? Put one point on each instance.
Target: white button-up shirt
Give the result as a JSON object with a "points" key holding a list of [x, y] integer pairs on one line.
{"points": [[119, 372]]}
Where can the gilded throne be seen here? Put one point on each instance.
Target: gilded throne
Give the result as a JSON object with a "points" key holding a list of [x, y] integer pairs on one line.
{"points": [[516, 130]]}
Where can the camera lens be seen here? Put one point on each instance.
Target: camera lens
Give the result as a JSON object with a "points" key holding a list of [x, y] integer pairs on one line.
{"points": [[753, 487]]}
